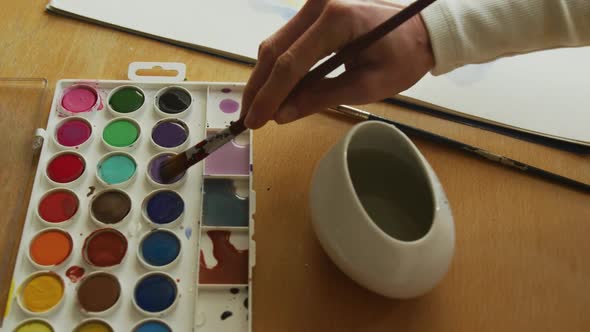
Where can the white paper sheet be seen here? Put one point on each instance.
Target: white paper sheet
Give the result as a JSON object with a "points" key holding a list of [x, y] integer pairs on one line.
{"points": [[545, 92]]}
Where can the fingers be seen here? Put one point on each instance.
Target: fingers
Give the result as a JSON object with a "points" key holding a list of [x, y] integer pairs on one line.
{"points": [[323, 37], [274, 46], [354, 87]]}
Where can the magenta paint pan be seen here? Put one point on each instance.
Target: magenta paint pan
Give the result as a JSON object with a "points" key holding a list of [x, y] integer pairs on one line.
{"points": [[73, 133], [231, 159], [80, 100]]}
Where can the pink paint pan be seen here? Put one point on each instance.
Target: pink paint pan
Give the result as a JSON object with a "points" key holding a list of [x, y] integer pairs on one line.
{"points": [[80, 100], [73, 133]]}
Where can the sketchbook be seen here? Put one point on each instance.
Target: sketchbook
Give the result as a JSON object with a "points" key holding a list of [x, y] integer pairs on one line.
{"points": [[542, 92]]}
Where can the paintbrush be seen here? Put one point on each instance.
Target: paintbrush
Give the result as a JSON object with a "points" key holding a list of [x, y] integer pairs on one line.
{"points": [[182, 161], [468, 149]]}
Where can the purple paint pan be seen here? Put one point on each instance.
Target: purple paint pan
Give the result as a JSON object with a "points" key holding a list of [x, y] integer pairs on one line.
{"points": [[170, 134], [153, 172]]}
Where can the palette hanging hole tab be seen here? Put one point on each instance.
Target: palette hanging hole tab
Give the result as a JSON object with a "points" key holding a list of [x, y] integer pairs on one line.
{"points": [[105, 248], [155, 294], [79, 100], [73, 133], [50, 248], [116, 170], [34, 324], [173, 102], [126, 100], [98, 294], [93, 325], [153, 172], [157, 71], [111, 208], [41, 293], [121, 134], [152, 325], [163, 208], [170, 135], [58, 207], [159, 249], [65, 169]]}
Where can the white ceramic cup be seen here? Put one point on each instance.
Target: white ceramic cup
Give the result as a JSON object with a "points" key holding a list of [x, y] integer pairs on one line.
{"points": [[381, 214]]}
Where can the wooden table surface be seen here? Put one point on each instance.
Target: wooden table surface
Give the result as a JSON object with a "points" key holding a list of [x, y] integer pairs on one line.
{"points": [[522, 247]]}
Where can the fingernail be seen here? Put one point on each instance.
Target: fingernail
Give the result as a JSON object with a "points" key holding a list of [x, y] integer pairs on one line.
{"points": [[287, 114]]}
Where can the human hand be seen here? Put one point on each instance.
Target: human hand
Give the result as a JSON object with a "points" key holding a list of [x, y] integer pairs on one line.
{"points": [[320, 28]]}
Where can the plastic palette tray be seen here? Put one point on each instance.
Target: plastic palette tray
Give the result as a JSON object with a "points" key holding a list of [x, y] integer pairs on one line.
{"points": [[209, 282]]}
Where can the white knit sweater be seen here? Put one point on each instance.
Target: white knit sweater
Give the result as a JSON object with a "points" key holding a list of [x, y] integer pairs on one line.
{"points": [[476, 31]]}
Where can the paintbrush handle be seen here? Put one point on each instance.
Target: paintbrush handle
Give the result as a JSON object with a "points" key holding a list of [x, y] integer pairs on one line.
{"points": [[496, 158], [469, 149]]}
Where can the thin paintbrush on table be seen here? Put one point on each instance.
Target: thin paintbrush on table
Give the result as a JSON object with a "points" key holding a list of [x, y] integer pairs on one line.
{"points": [[469, 149], [182, 161]]}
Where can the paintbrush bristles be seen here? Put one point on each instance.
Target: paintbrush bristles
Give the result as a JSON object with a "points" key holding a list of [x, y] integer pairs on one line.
{"points": [[173, 167], [182, 161]]}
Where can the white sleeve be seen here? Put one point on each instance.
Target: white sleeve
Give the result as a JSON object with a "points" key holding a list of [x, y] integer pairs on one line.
{"points": [[476, 31]]}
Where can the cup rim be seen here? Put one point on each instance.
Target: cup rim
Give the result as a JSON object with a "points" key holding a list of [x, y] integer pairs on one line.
{"points": [[423, 169]]}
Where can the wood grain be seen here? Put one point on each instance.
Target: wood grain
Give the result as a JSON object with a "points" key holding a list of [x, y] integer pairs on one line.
{"points": [[521, 256]]}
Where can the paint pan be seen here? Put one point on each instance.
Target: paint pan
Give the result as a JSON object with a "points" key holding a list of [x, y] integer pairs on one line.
{"points": [[58, 207], [80, 100], [98, 294], [170, 135], [231, 159], [73, 133], [153, 172], [50, 248], [225, 202], [223, 258], [93, 325], [163, 208], [159, 249], [65, 169], [155, 294], [41, 293], [34, 325], [174, 101], [121, 134], [105, 248], [111, 207], [152, 325], [126, 100], [116, 170]]}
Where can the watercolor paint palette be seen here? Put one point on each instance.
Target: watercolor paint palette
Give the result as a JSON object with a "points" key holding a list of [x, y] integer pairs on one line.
{"points": [[107, 245]]}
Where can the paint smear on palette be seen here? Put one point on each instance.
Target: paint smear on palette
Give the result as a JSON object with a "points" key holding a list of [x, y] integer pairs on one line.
{"points": [[188, 232], [75, 273], [223, 205], [229, 106], [231, 159], [232, 263], [91, 190]]}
